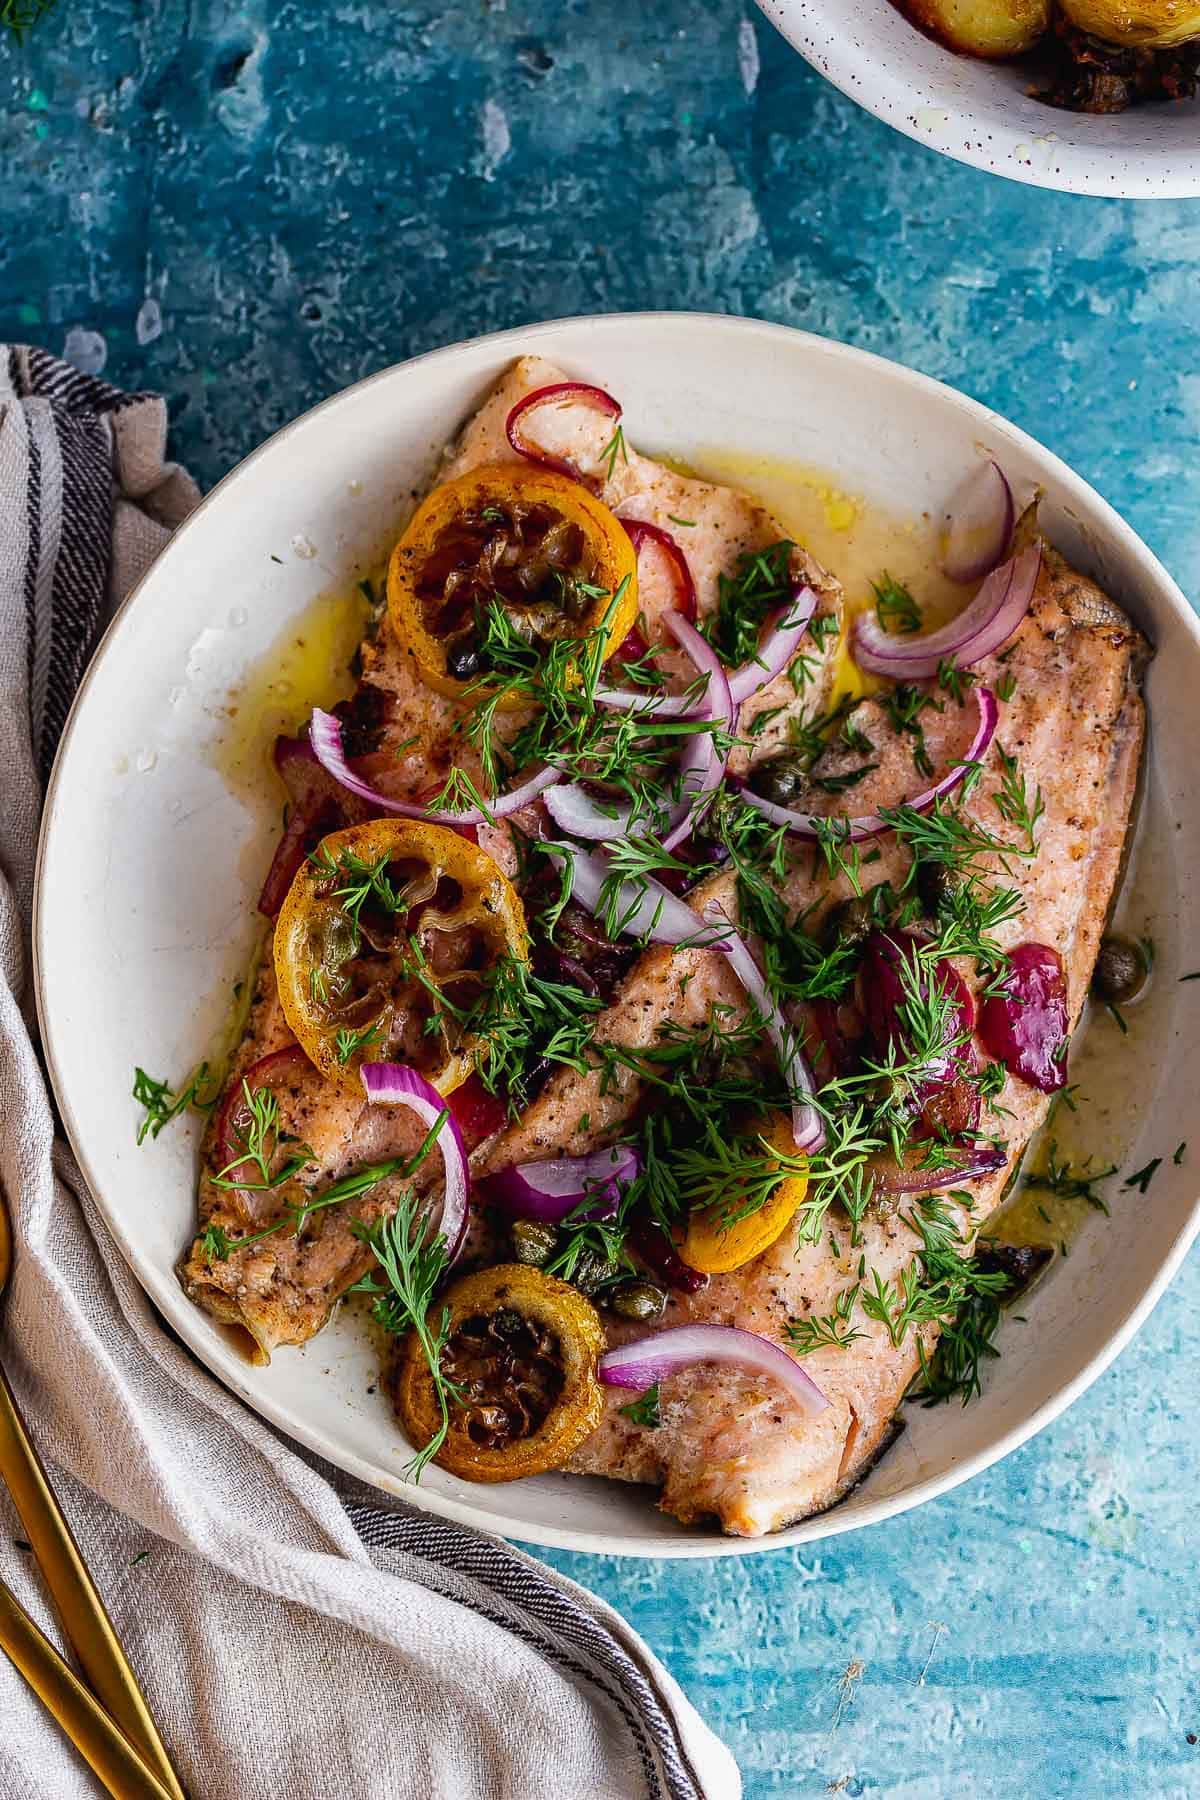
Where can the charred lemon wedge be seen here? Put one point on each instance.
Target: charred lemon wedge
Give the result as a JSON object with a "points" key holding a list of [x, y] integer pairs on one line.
{"points": [[389, 934], [520, 1354], [718, 1241], [533, 543]]}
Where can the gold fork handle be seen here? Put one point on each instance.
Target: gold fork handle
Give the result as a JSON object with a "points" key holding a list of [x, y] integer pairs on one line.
{"points": [[81, 1716], [85, 1621]]}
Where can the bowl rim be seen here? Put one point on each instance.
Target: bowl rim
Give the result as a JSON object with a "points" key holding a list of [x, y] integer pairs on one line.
{"points": [[986, 142], [185, 1319]]}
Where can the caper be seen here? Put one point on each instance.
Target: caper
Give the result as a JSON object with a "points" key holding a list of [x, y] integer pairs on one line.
{"points": [[533, 1241], [1121, 971], [591, 1272], [938, 884], [781, 779], [850, 922], [576, 601], [463, 660], [638, 1300]]}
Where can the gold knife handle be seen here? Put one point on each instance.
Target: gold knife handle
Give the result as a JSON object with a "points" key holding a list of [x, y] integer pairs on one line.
{"points": [[85, 1621], [84, 1720]]}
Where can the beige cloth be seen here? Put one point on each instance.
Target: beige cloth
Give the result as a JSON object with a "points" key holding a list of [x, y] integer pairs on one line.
{"points": [[291, 1646]]}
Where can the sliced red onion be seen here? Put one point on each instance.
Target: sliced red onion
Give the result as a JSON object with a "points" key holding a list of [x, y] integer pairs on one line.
{"points": [[645, 907], [306, 826], [393, 1084], [701, 765], [641, 532], [551, 1190], [979, 524], [326, 734], [983, 626], [585, 815], [277, 1069], [775, 652], [650, 1359], [978, 1159], [778, 647], [560, 393], [317, 805], [808, 1133], [809, 825], [1026, 1024]]}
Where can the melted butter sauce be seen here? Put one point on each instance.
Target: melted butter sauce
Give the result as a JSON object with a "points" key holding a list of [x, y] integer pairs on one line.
{"points": [[854, 541], [309, 665]]}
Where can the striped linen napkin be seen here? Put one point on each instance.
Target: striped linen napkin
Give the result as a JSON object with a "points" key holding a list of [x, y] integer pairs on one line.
{"points": [[293, 1637]]}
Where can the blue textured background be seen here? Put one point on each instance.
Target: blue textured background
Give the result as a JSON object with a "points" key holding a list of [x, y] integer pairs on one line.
{"points": [[254, 206]]}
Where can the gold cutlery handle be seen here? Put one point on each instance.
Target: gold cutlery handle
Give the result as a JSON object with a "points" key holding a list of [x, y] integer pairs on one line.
{"points": [[85, 1621], [81, 1716]]}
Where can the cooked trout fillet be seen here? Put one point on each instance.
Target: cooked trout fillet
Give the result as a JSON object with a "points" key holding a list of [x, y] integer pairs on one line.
{"points": [[282, 1289], [731, 1446]]}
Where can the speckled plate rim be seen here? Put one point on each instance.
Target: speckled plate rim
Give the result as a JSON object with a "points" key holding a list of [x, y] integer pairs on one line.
{"points": [[185, 1319], [939, 99]]}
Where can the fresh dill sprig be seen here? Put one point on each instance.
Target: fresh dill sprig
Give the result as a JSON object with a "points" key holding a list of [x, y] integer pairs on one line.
{"points": [[761, 582], [833, 1331], [1014, 802], [1142, 1178], [615, 447], [410, 1268], [348, 1043], [895, 607], [260, 1140], [645, 1410], [904, 705], [216, 1242], [1068, 1181], [162, 1103]]}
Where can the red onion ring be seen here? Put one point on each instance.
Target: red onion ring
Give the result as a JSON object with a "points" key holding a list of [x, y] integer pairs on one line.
{"points": [[774, 654], [573, 809], [778, 647], [564, 392], [325, 733], [647, 909], [277, 1066], [979, 1159], [392, 1084], [307, 825], [808, 1132], [642, 532], [551, 1190], [701, 766], [646, 1360], [983, 626], [979, 524], [808, 825]]}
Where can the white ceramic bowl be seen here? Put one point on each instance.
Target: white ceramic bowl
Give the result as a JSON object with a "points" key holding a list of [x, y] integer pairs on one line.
{"points": [[150, 865], [980, 113]]}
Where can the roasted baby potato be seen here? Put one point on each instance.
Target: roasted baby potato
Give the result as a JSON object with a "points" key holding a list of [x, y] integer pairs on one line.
{"points": [[991, 28], [1136, 24]]}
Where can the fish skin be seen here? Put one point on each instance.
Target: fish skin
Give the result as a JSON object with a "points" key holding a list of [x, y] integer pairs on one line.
{"points": [[282, 1290]]}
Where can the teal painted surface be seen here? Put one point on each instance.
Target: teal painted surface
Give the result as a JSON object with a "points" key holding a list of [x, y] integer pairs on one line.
{"points": [[290, 196]]}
